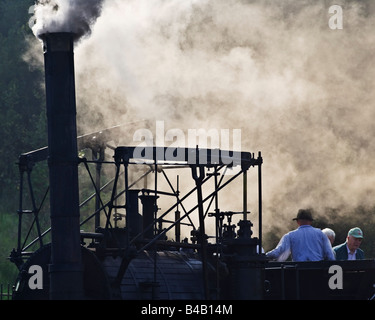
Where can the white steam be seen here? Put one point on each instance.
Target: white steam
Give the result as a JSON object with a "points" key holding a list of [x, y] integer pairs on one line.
{"points": [[74, 16], [301, 93]]}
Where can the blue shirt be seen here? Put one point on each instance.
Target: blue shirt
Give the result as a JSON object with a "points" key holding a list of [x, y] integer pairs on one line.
{"points": [[305, 244]]}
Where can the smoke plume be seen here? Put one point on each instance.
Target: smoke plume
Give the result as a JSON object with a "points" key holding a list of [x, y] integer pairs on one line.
{"points": [[301, 92], [75, 16]]}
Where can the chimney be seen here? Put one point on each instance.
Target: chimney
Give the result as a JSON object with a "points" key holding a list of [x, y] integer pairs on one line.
{"points": [[65, 270]]}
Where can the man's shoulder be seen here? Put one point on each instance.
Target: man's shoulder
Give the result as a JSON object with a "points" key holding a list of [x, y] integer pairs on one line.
{"points": [[301, 231], [339, 247], [360, 254], [309, 229]]}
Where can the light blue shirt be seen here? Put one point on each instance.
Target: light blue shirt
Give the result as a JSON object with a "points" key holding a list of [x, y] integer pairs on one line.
{"points": [[305, 244]]}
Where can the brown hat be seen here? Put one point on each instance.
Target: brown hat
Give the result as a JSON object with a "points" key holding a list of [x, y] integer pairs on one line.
{"points": [[304, 214]]}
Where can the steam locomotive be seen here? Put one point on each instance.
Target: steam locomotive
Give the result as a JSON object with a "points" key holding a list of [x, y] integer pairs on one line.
{"points": [[128, 255]]}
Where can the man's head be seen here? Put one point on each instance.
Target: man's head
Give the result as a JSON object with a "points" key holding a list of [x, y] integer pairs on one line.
{"points": [[304, 216], [330, 234], [354, 238]]}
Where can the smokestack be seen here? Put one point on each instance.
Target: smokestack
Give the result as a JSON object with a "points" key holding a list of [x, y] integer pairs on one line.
{"points": [[66, 273]]}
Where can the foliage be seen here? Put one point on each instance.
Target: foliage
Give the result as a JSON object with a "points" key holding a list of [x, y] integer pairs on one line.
{"points": [[22, 112], [22, 117]]}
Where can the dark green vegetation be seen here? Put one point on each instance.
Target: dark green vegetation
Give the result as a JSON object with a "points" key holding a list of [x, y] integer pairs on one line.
{"points": [[22, 118]]}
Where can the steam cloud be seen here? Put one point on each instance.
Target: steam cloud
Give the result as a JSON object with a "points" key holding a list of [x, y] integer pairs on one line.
{"points": [[65, 16], [301, 93]]}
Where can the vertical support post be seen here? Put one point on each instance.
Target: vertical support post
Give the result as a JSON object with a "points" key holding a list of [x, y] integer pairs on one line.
{"points": [[20, 209], [66, 271], [127, 200], [198, 182], [244, 195], [260, 200], [155, 228], [98, 156], [218, 233], [177, 215], [217, 211]]}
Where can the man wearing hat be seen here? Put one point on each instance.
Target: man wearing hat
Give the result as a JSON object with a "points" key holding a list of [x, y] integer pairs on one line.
{"points": [[305, 243], [349, 250]]}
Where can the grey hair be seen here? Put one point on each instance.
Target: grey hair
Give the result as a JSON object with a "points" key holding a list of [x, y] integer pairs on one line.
{"points": [[329, 232]]}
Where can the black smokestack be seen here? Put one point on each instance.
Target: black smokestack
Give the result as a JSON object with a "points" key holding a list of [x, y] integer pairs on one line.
{"points": [[66, 265]]}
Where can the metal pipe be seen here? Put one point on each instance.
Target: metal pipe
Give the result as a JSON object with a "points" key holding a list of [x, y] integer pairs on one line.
{"points": [[177, 216], [98, 156], [66, 272], [244, 195], [198, 182], [217, 233], [260, 200], [20, 208]]}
